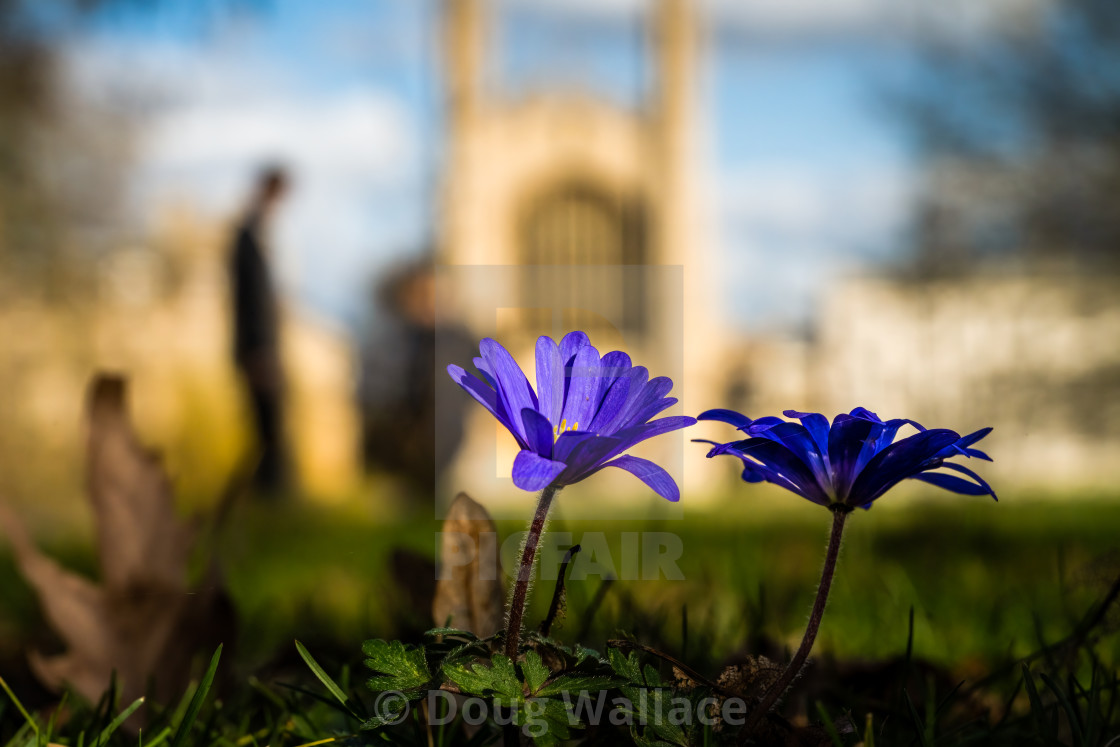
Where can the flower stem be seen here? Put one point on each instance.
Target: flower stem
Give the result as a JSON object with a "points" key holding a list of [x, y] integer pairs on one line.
{"points": [[778, 689], [525, 572]]}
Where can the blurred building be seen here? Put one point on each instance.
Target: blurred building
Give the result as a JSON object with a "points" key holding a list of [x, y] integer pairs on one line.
{"points": [[159, 314], [1032, 355], [563, 211]]}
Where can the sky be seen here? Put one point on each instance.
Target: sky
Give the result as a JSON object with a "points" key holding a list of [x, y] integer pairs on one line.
{"points": [[806, 170]]}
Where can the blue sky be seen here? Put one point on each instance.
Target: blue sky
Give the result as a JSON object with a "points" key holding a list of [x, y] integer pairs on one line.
{"points": [[807, 172]]}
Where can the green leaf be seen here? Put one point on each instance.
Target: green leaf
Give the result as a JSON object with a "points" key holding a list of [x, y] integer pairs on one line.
{"points": [[403, 668], [583, 654], [1072, 716], [19, 706], [196, 702], [116, 723], [829, 726], [919, 727], [45, 736], [453, 632], [652, 678], [1037, 709], [546, 721], [627, 667], [646, 741], [387, 710], [323, 677], [160, 738], [654, 707], [574, 683], [535, 671], [498, 679]]}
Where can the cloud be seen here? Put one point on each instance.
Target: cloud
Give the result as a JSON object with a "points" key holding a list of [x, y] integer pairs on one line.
{"points": [[802, 203], [787, 233], [358, 138], [212, 118], [356, 166], [958, 18], [600, 8]]}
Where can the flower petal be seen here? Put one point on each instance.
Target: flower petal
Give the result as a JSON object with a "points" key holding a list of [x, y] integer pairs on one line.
{"points": [[474, 386], [649, 473], [485, 371], [638, 433], [533, 472], [730, 417], [854, 461], [588, 456], [797, 439], [898, 461], [485, 396], [637, 377], [653, 409], [513, 388], [847, 439], [966, 471], [817, 425], [864, 414], [615, 364], [584, 380], [949, 482], [761, 425], [754, 472], [571, 344], [779, 462], [613, 402], [973, 437], [550, 379], [614, 369], [961, 447], [538, 431], [644, 405]]}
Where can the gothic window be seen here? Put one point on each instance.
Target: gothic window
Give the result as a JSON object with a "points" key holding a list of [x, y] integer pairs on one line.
{"points": [[580, 252]]}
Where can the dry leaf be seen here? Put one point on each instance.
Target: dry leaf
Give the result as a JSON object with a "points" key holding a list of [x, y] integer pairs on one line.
{"points": [[141, 540], [142, 621], [751, 678], [469, 588]]}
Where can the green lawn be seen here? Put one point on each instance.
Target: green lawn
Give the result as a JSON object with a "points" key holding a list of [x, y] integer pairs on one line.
{"points": [[984, 579]]}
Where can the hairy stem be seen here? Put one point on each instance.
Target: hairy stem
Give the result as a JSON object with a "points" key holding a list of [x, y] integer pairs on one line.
{"points": [[525, 572], [778, 689]]}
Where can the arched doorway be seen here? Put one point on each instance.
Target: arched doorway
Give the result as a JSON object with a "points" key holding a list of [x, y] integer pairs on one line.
{"points": [[579, 247]]}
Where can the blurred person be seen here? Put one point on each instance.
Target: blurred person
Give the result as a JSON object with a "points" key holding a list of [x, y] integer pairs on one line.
{"points": [[404, 433], [256, 326]]}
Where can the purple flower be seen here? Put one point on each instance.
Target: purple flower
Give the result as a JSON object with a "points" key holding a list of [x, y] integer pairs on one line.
{"points": [[851, 463], [585, 412]]}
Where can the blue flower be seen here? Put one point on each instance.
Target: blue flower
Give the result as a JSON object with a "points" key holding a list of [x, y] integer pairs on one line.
{"points": [[586, 411], [851, 463]]}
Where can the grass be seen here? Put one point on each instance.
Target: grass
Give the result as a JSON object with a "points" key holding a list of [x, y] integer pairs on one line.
{"points": [[987, 583], [985, 580]]}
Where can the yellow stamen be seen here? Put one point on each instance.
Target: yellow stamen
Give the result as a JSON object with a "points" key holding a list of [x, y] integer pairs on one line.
{"points": [[563, 427]]}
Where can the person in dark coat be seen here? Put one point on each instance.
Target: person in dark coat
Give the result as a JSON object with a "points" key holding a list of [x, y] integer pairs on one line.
{"points": [[403, 379], [256, 327]]}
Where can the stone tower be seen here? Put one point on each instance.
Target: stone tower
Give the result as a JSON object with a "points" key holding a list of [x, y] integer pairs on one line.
{"points": [[563, 211]]}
